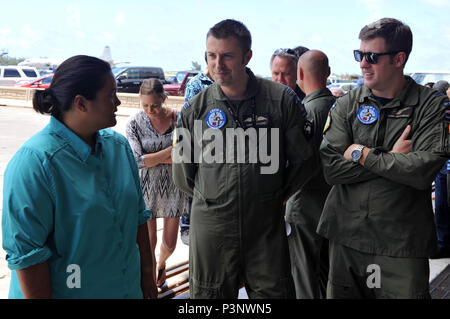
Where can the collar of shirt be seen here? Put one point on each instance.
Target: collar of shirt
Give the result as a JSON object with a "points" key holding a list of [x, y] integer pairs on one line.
{"points": [[251, 91], [81, 149], [316, 94], [409, 96], [203, 78], [301, 95]]}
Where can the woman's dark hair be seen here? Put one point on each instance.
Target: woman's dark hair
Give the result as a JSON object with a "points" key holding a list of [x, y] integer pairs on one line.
{"points": [[80, 74]]}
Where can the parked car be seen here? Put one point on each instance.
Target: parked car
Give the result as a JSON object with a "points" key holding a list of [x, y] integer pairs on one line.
{"points": [[42, 83], [430, 76], [345, 86], [172, 79], [177, 89], [12, 74], [129, 78]]}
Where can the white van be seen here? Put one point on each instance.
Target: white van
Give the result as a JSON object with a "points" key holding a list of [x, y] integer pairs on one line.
{"points": [[12, 74], [423, 77]]}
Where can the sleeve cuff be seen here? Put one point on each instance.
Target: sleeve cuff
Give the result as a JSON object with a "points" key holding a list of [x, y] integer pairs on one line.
{"points": [[370, 159], [144, 216], [36, 256]]}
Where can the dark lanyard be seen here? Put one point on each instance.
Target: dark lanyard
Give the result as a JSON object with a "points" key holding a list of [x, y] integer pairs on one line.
{"points": [[236, 117]]}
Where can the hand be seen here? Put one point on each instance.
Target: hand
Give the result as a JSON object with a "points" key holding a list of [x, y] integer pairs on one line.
{"points": [[403, 145]]}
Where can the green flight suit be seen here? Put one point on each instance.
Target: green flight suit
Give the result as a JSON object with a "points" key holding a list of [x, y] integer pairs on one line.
{"points": [[238, 230], [383, 208], [308, 250]]}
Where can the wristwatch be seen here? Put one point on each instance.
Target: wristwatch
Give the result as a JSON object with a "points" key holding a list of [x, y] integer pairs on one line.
{"points": [[357, 153]]}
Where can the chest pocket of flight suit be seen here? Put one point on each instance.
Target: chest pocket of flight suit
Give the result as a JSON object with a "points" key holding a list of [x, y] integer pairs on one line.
{"points": [[211, 181], [397, 120]]}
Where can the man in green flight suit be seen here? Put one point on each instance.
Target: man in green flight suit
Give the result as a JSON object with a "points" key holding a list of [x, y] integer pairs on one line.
{"points": [[380, 151], [308, 250], [238, 233]]}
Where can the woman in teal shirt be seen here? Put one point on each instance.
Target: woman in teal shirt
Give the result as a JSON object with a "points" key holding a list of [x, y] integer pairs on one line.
{"points": [[74, 219]]}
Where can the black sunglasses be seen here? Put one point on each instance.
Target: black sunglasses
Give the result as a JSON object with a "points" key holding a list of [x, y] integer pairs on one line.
{"points": [[371, 57]]}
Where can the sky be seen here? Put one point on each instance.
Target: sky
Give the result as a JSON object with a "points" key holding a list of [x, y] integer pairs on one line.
{"points": [[172, 33]]}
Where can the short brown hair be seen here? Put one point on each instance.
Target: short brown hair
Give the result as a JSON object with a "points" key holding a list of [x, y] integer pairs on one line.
{"points": [[232, 28], [150, 86], [396, 34]]}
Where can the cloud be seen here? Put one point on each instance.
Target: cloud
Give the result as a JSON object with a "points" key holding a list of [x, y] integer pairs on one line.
{"points": [[7, 39], [373, 8], [106, 37], [120, 19], [438, 3], [315, 40], [29, 36], [74, 19], [446, 33], [153, 43]]}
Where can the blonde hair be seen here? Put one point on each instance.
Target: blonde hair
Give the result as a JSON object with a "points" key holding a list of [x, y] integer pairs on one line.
{"points": [[152, 86]]}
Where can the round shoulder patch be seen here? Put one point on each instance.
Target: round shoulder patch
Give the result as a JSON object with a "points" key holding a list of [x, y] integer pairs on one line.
{"points": [[216, 118], [367, 114]]}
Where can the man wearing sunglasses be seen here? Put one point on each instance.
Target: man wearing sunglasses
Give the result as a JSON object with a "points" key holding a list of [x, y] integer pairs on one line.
{"points": [[283, 65], [382, 147]]}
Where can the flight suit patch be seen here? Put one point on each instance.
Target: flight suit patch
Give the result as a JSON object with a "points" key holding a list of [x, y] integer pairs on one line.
{"points": [[186, 105], [216, 119], [308, 129], [404, 112], [447, 114], [328, 122], [367, 114], [447, 110]]}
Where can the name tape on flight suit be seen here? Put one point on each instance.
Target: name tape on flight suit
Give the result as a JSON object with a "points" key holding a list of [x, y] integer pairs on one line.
{"points": [[404, 112]]}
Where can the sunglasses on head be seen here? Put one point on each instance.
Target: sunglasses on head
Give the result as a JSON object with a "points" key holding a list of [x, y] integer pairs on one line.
{"points": [[371, 57], [288, 51]]}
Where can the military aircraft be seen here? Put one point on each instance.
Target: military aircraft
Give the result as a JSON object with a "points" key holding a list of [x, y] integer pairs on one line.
{"points": [[52, 64]]}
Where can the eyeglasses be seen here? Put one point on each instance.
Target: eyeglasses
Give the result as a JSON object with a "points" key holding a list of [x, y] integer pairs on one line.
{"points": [[284, 51], [371, 57]]}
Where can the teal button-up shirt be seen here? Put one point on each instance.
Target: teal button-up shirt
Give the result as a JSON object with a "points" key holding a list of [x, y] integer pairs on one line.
{"points": [[79, 210]]}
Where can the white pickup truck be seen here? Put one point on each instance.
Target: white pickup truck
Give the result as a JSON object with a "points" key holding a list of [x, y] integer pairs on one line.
{"points": [[10, 75]]}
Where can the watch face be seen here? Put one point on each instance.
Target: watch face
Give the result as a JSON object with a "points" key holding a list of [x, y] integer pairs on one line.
{"points": [[356, 155]]}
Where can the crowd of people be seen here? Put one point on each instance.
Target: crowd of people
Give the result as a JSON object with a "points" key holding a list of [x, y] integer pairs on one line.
{"points": [[347, 212]]}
